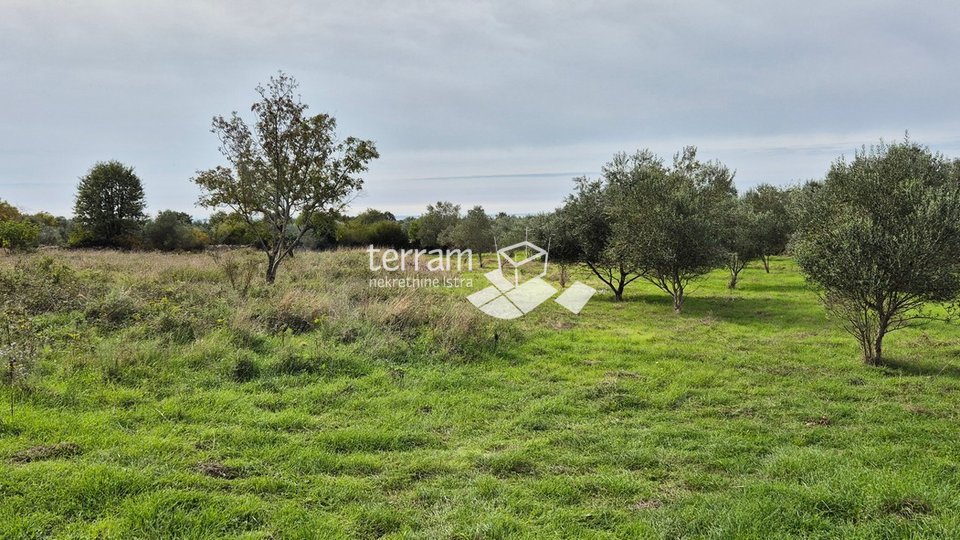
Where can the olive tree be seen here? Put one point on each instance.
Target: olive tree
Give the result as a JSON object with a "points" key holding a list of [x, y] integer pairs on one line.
{"points": [[880, 237], [473, 232], [742, 237], [774, 227], [287, 168], [432, 226], [589, 218], [670, 218]]}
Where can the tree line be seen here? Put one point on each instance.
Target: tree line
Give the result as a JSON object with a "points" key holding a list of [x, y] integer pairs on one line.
{"points": [[878, 236]]}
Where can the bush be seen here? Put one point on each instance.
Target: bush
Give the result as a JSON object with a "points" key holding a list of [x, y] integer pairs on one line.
{"points": [[382, 233], [174, 231], [19, 235], [115, 309], [233, 230], [239, 267], [42, 285]]}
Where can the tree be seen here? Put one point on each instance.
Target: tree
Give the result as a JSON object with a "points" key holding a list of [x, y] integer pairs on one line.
{"points": [[742, 238], [551, 231], [8, 212], [671, 219], [508, 229], [54, 230], [474, 232], [434, 222], [372, 227], [371, 216], [174, 231], [773, 227], [590, 217], [109, 206], [880, 237], [229, 228], [285, 169]]}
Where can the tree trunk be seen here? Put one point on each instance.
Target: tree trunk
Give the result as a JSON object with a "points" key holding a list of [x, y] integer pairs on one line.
{"points": [[872, 346], [480, 258], [735, 268], [621, 285], [618, 294], [878, 349], [272, 263], [766, 262], [677, 300]]}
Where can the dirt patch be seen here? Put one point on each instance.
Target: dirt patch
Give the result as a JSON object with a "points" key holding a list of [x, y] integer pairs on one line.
{"points": [[646, 504], [44, 451], [215, 469], [822, 420]]}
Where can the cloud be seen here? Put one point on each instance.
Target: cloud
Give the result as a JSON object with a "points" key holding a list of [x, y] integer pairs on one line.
{"points": [[483, 94]]}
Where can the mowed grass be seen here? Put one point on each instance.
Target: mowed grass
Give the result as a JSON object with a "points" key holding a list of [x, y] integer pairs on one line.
{"points": [[399, 414]]}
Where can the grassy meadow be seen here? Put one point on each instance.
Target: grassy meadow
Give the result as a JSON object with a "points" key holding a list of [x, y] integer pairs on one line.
{"points": [[165, 402]]}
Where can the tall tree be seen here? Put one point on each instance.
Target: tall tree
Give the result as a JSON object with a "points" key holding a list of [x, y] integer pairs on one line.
{"points": [[880, 237], [109, 206], [474, 232], [671, 218], [285, 169]]}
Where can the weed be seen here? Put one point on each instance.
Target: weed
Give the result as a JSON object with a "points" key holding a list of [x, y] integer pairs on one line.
{"points": [[244, 369]]}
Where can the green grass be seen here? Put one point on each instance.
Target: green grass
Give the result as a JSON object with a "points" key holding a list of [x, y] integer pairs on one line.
{"points": [[748, 415]]}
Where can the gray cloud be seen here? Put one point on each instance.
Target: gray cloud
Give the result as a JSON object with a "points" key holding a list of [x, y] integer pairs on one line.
{"points": [[477, 102]]}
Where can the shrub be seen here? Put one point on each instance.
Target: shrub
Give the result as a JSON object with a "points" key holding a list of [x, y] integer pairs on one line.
{"points": [[19, 235], [114, 309], [381, 233], [239, 267]]}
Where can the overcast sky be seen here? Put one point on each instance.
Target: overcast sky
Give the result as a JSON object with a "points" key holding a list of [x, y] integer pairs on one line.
{"points": [[498, 103]]}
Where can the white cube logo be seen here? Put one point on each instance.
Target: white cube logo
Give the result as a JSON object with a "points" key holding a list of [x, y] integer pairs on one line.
{"points": [[517, 287]]}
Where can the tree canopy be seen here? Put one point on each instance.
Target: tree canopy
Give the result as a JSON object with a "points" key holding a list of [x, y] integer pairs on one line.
{"points": [[285, 168], [473, 232], [109, 206], [881, 238], [670, 219]]}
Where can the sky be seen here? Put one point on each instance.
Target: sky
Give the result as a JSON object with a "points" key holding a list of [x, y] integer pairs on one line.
{"points": [[497, 103]]}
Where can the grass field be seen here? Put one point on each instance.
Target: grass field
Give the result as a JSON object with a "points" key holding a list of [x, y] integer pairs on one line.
{"points": [[163, 404]]}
